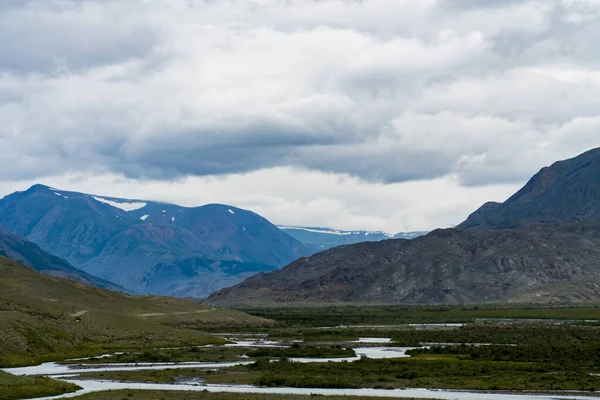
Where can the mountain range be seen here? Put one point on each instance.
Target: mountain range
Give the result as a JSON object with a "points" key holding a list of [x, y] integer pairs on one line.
{"points": [[541, 245], [146, 246], [319, 239]]}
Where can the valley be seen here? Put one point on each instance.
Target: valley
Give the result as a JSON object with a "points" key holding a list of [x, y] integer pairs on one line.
{"points": [[299, 200], [506, 306], [486, 353]]}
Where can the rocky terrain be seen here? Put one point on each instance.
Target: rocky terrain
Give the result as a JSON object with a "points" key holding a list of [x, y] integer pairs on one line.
{"points": [[541, 245], [565, 192]]}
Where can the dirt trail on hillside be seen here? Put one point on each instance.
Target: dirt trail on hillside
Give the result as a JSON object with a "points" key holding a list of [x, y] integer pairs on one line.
{"points": [[79, 313], [173, 313]]}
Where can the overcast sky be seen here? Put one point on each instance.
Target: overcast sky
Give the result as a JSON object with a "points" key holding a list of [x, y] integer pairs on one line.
{"points": [[376, 114]]}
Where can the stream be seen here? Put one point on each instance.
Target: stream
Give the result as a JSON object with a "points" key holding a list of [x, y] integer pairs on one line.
{"points": [[69, 372]]}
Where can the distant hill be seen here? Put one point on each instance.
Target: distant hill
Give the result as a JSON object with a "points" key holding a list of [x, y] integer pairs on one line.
{"points": [[44, 315], [319, 239], [565, 192], [541, 245], [146, 246], [31, 255], [445, 266]]}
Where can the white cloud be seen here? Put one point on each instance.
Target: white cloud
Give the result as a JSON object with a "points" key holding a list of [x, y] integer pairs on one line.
{"points": [[379, 95], [310, 198]]}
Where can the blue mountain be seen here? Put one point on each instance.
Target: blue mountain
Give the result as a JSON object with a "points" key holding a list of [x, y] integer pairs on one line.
{"points": [[147, 246], [30, 254]]}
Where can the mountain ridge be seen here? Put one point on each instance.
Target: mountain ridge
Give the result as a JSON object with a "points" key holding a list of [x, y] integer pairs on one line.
{"points": [[565, 192], [126, 240], [541, 245], [31, 255]]}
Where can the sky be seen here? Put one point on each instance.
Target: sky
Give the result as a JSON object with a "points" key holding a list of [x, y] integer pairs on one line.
{"points": [[393, 115]]}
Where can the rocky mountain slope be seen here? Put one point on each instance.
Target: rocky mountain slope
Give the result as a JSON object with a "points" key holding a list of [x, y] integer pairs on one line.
{"points": [[319, 239], [150, 247], [541, 245], [31, 255], [567, 191]]}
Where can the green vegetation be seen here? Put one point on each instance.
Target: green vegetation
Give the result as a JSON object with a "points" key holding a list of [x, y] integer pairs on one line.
{"points": [[166, 395], [533, 357], [447, 373], [315, 316], [18, 387], [574, 356], [195, 354], [48, 319], [171, 376], [55, 319], [302, 351]]}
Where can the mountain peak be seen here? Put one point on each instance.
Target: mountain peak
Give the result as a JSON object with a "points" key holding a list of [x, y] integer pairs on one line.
{"points": [[566, 191], [149, 246]]}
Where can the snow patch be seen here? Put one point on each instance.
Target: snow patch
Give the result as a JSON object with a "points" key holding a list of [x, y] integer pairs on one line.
{"points": [[125, 205], [172, 219], [316, 230], [231, 211], [61, 195], [143, 217], [329, 231], [164, 211]]}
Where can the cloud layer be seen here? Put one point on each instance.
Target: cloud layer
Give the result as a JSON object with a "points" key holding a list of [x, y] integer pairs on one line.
{"points": [[480, 94]]}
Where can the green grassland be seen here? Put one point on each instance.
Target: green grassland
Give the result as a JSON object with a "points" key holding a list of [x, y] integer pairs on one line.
{"points": [[18, 387], [166, 395], [447, 373], [315, 316], [171, 376], [46, 318], [525, 356]]}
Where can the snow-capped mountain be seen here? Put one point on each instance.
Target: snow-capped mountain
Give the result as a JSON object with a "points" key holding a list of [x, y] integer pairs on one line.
{"points": [[318, 239]]}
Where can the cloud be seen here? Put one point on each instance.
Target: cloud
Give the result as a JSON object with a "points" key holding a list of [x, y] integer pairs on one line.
{"points": [[292, 196], [383, 91]]}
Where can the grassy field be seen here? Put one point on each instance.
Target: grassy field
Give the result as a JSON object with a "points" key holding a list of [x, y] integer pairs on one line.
{"points": [[522, 357], [392, 315], [166, 395], [17, 387], [45, 319], [528, 356], [178, 375], [434, 372]]}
